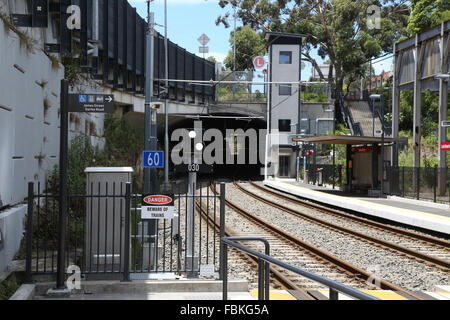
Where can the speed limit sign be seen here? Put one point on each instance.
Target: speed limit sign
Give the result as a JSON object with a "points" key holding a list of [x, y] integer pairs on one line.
{"points": [[153, 159]]}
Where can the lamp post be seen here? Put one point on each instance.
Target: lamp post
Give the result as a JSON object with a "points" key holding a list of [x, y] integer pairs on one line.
{"points": [[380, 97], [191, 260]]}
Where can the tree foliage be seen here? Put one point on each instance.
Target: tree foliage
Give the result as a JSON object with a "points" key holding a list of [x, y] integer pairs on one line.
{"points": [[338, 29], [426, 14], [249, 44]]}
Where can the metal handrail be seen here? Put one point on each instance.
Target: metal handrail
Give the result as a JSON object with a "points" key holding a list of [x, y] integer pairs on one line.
{"points": [[354, 126], [334, 286]]}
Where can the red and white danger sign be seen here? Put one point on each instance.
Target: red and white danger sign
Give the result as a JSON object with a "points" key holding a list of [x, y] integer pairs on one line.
{"points": [[259, 62], [157, 207], [445, 146]]}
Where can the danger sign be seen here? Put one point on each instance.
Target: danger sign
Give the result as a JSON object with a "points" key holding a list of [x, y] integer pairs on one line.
{"points": [[445, 146], [259, 62], [157, 207]]}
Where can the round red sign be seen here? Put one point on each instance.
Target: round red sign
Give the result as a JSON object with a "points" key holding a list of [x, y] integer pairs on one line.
{"points": [[158, 200], [259, 62]]}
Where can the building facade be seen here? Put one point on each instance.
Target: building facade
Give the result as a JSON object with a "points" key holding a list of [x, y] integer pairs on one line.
{"points": [[292, 110]]}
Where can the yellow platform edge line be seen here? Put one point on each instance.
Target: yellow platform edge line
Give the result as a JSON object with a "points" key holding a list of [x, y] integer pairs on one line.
{"points": [[384, 295], [380, 294], [275, 295]]}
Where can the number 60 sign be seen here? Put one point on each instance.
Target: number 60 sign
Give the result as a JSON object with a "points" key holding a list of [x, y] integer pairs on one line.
{"points": [[153, 159]]}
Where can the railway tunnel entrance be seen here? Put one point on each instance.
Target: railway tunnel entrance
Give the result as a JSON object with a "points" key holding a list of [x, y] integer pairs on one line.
{"points": [[234, 145]]}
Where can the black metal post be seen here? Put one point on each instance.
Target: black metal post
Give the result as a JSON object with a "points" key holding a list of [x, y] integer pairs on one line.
{"points": [[403, 181], [126, 262], [224, 270], [222, 231], [28, 278], [334, 295], [435, 182], [418, 183], [382, 145], [61, 272], [261, 279]]}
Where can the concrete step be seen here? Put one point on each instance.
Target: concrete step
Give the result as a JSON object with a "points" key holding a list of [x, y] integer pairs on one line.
{"points": [[181, 289]]}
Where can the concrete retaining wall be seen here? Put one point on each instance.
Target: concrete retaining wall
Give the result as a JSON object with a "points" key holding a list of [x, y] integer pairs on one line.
{"points": [[12, 223]]}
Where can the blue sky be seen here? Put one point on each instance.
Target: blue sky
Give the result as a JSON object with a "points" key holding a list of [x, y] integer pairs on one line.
{"points": [[189, 19]]}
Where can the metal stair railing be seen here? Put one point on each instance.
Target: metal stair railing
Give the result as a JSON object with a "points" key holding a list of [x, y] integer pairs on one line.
{"points": [[355, 127], [386, 127]]}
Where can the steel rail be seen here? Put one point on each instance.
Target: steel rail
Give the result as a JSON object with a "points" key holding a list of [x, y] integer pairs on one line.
{"points": [[411, 253], [357, 272], [421, 237], [281, 280]]}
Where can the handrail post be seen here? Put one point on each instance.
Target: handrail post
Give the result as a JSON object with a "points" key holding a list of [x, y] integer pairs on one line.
{"points": [[334, 295], [261, 278], [224, 271], [222, 228], [126, 263], [435, 183], [29, 253]]}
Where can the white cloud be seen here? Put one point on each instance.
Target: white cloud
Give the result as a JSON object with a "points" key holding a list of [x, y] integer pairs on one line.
{"points": [[220, 57]]}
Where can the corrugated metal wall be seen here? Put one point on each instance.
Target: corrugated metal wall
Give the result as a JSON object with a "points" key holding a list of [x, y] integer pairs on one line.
{"points": [[122, 34]]}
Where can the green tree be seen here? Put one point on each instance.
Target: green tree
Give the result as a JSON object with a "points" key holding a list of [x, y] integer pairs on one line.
{"points": [[338, 29], [212, 59], [249, 44], [426, 14]]}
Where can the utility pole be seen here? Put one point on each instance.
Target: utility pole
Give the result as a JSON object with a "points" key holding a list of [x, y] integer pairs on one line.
{"points": [[151, 143], [234, 54], [61, 272], [166, 186]]}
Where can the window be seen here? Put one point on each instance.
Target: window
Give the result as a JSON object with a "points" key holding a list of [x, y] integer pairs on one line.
{"points": [[285, 90], [285, 57], [284, 125]]}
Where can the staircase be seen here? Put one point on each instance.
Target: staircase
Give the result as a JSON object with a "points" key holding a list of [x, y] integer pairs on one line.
{"points": [[360, 119], [362, 114]]}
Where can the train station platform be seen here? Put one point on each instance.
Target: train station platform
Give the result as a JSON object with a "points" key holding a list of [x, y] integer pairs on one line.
{"points": [[194, 290], [183, 289], [409, 212]]}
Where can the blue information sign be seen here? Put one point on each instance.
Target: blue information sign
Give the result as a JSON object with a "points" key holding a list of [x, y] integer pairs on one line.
{"points": [[153, 159]]}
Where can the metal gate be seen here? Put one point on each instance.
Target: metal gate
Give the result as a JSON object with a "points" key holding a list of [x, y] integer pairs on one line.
{"points": [[105, 233]]}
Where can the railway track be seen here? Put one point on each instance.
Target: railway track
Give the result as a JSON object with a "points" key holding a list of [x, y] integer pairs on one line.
{"points": [[429, 250], [293, 250], [277, 279]]}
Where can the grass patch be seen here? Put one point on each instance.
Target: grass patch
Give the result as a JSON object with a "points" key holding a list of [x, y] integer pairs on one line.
{"points": [[7, 289]]}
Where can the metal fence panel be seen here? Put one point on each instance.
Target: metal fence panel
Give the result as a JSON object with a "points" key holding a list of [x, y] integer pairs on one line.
{"points": [[96, 235]]}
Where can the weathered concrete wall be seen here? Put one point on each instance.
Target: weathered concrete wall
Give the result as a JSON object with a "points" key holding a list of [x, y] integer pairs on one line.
{"points": [[29, 120], [11, 227]]}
